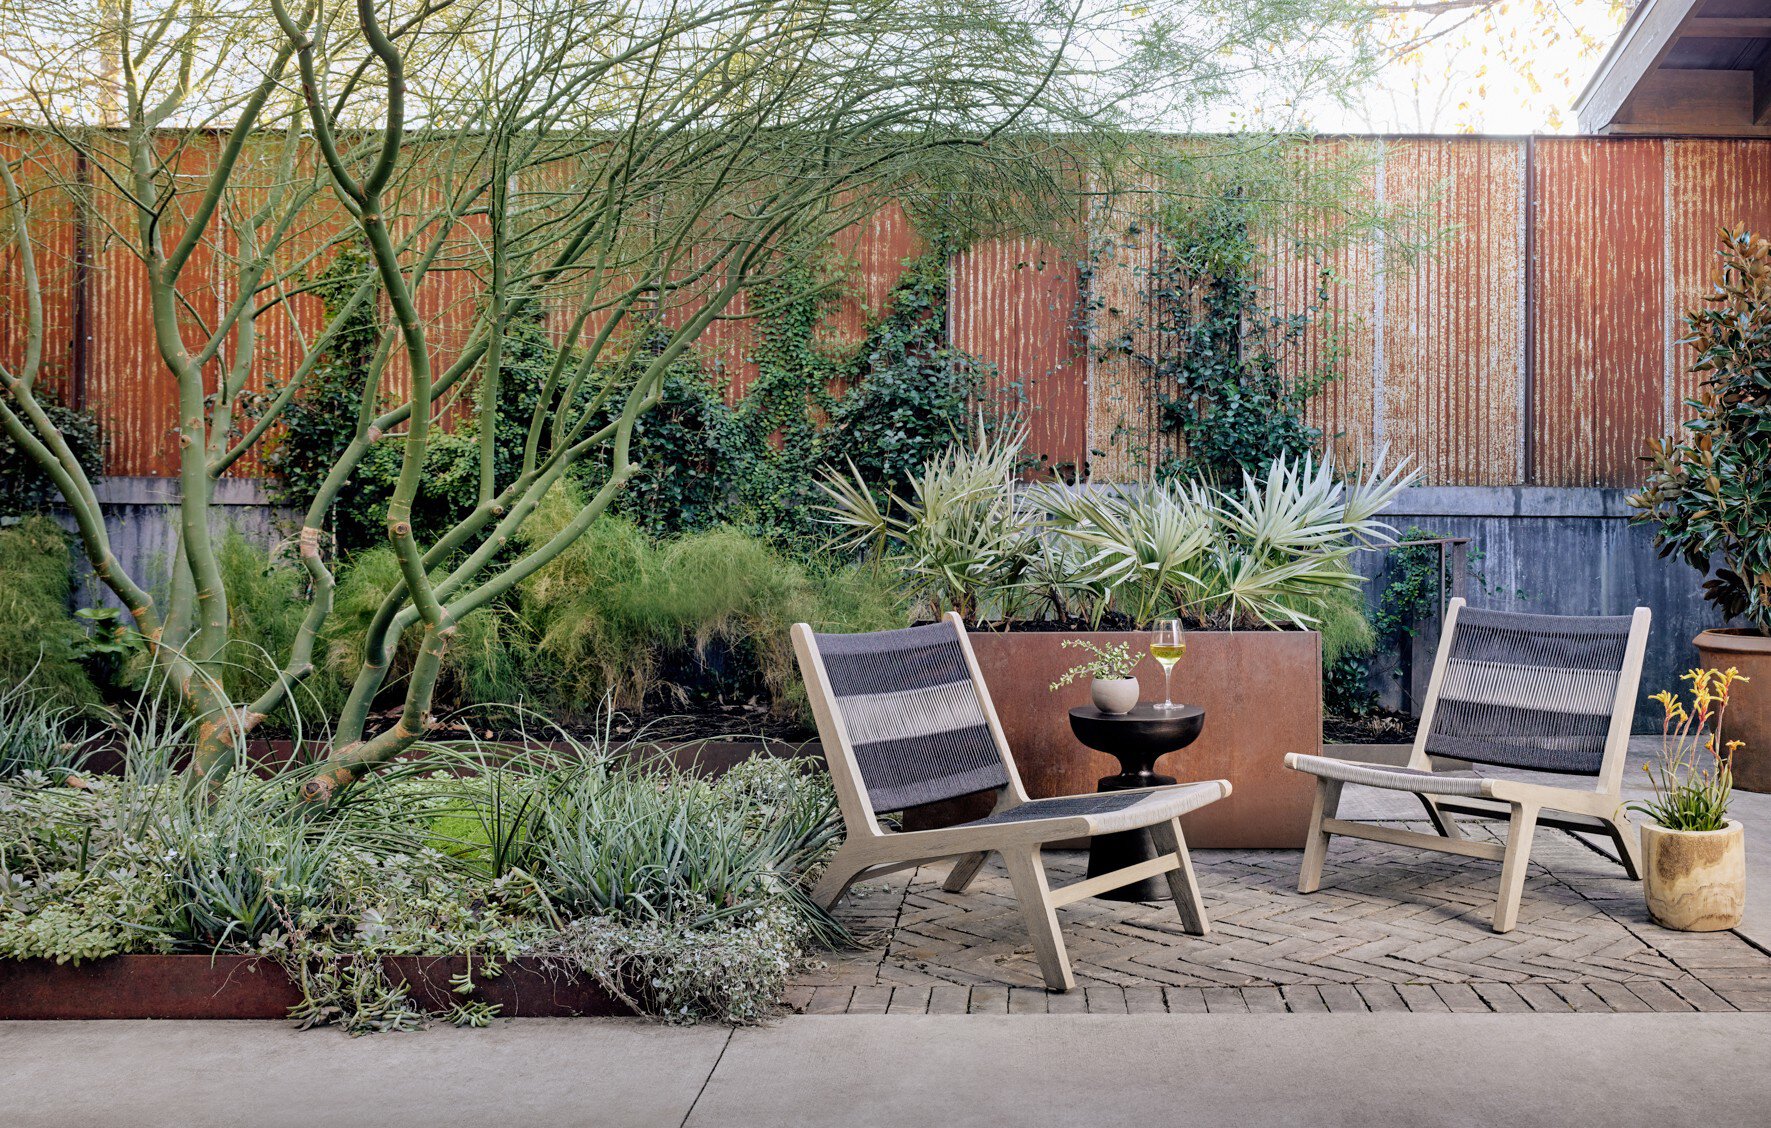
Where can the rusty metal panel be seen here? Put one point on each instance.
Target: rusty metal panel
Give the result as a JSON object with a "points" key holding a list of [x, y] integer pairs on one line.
{"points": [[1120, 318], [1307, 269], [1710, 185], [46, 168], [128, 384], [1451, 344], [871, 254], [1598, 282], [1014, 303]]}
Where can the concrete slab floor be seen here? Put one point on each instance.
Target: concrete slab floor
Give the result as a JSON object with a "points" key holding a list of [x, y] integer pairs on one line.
{"points": [[1251, 1071], [1566, 1071], [619, 1073]]}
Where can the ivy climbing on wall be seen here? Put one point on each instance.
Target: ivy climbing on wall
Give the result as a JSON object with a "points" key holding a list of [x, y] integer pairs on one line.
{"points": [[319, 422], [888, 402], [1221, 367]]}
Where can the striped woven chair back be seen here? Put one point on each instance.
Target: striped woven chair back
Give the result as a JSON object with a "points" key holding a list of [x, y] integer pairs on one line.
{"points": [[908, 705], [1529, 691]]}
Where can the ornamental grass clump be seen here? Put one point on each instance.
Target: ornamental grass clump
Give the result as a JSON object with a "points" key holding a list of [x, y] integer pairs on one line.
{"points": [[1693, 781]]}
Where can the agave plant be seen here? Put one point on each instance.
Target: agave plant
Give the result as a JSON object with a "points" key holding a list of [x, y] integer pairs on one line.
{"points": [[1271, 554], [961, 538]]}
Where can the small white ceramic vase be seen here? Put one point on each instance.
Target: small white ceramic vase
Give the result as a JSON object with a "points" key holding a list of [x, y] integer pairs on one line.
{"points": [[1114, 695]]}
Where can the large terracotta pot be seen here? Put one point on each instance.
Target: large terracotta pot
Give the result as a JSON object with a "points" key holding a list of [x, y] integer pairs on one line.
{"points": [[1262, 696], [1749, 705], [1694, 880]]}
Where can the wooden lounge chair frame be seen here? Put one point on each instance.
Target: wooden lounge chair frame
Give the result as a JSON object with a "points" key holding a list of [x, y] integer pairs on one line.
{"points": [[1524, 805], [1017, 829]]}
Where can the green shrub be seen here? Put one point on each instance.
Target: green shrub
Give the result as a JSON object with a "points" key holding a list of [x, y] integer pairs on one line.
{"points": [[486, 659], [618, 608], [916, 392], [1708, 493], [24, 487], [1348, 641], [447, 492], [39, 639]]}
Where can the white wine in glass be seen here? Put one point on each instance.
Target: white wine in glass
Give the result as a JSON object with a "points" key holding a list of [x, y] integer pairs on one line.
{"points": [[1168, 642]]}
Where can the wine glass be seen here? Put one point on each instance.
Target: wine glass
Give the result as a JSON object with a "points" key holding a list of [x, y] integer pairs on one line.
{"points": [[1167, 643]]}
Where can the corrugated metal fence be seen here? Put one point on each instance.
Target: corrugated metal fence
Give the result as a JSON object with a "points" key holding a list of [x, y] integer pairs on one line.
{"points": [[1537, 346]]}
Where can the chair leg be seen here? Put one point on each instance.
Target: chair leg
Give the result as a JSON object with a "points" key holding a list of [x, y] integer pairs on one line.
{"points": [[841, 873], [1026, 873], [1629, 845], [965, 868], [1328, 801], [1443, 822], [1520, 828], [1181, 880]]}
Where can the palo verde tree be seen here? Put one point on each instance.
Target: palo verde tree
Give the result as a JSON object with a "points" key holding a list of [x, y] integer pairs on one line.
{"points": [[628, 173]]}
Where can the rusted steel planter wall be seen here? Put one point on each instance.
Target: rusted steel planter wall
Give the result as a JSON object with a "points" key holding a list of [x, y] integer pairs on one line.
{"points": [[1262, 696], [249, 987]]}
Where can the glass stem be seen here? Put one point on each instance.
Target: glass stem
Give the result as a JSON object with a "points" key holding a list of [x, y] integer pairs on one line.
{"points": [[1168, 683]]}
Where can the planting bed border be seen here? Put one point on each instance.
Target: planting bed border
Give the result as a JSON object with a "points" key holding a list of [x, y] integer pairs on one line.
{"points": [[230, 986]]}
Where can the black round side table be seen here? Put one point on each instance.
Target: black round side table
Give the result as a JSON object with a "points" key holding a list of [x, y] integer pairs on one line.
{"points": [[1136, 739]]}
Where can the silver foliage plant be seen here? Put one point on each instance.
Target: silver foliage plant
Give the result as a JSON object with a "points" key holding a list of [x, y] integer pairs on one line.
{"points": [[967, 536]]}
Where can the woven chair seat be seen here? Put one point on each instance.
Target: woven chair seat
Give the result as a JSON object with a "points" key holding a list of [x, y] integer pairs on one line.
{"points": [[1112, 811], [1394, 778]]}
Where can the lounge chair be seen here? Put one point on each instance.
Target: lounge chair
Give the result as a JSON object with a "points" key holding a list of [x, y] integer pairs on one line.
{"points": [[906, 719], [1541, 693]]}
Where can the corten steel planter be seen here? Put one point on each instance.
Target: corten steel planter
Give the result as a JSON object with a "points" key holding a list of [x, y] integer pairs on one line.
{"points": [[1262, 696], [249, 987], [1694, 880], [1749, 705]]}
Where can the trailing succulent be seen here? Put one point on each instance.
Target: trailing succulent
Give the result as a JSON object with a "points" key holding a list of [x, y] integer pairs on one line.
{"points": [[1708, 492]]}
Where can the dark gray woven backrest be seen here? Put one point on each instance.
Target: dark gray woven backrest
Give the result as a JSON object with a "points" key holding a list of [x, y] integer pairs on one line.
{"points": [[1530, 691], [912, 714]]}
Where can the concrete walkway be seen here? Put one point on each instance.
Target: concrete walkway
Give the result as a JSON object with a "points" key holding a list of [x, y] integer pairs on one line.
{"points": [[1658, 1071]]}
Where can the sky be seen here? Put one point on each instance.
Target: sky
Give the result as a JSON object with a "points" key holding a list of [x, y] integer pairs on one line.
{"points": [[1513, 67]]}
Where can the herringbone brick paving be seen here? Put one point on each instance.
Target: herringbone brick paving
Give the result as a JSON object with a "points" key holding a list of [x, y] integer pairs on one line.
{"points": [[1392, 929]]}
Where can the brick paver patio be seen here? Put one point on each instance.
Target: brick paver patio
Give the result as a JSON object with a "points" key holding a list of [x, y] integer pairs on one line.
{"points": [[1391, 930]]}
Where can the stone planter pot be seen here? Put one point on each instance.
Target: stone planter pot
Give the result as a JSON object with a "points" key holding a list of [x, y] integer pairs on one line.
{"points": [[1114, 695], [1262, 696], [1695, 880], [1749, 707]]}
